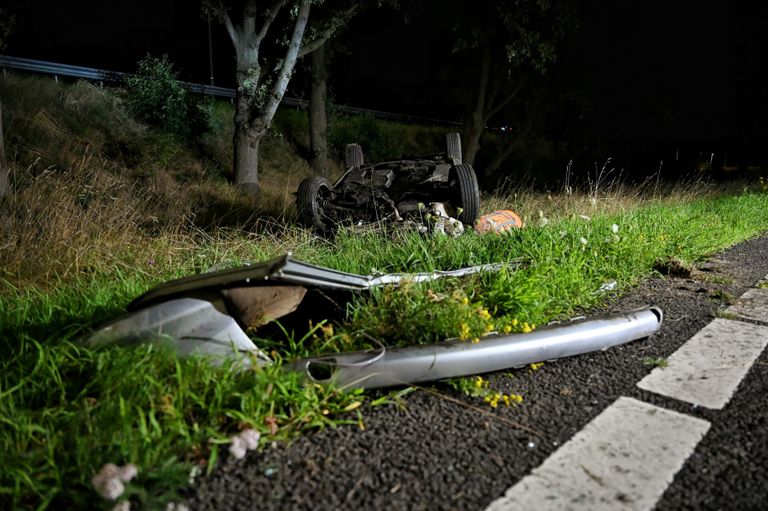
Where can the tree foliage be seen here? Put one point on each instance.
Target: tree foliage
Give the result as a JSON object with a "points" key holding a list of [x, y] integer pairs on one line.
{"points": [[161, 101], [501, 46]]}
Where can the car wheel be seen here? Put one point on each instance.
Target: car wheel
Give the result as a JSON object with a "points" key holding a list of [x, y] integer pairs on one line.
{"points": [[453, 147], [464, 192], [353, 156], [311, 199]]}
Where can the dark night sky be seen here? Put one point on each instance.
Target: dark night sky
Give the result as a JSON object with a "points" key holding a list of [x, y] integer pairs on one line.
{"points": [[652, 69]]}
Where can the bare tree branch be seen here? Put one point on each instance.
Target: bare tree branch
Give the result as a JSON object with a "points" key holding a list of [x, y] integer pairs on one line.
{"points": [[271, 15], [341, 19], [290, 60], [509, 97], [250, 11], [234, 34]]}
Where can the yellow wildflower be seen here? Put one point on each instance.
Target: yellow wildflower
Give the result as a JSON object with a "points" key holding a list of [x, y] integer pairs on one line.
{"points": [[464, 332], [484, 313], [507, 329], [327, 330]]}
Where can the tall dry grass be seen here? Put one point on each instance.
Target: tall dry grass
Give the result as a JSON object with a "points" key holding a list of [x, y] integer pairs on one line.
{"points": [[93, 188], [604, 193]]}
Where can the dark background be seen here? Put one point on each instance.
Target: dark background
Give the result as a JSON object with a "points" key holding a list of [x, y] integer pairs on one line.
{"points": [[656, 80]]}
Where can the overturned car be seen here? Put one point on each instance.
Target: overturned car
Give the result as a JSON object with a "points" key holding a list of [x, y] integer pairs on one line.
{"points": [[393, 190]]}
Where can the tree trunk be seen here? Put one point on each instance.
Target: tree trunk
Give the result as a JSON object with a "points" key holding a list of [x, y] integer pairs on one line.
{"points": [[257, 98], [502, 153], [318, 122], [474, 125], [246, 159], [5, 185], [473, 128]]}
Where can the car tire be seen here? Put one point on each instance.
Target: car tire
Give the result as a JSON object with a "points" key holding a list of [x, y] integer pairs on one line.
{"points": [[464, 192], [310, 199], [453, 147], [353, 156]]}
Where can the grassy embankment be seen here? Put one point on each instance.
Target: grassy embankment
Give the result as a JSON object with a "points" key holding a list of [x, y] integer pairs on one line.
{"points": [[105, 209]]}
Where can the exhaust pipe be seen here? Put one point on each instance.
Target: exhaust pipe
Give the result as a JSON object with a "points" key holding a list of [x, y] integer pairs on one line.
{"points": [[454, 358]]}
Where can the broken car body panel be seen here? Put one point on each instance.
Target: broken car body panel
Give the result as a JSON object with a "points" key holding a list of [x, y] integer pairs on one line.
{"points": [[189, 325], [287, 270], [209, 313]]}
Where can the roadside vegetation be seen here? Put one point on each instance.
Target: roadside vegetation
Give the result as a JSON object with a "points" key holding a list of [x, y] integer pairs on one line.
{"points": [[106, 208]]}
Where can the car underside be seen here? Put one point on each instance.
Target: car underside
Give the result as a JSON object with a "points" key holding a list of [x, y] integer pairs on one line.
{"points": [[391, 191]]}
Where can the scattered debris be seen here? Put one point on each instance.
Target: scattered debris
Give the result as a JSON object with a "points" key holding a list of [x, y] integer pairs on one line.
{"points": [[498, 221]]}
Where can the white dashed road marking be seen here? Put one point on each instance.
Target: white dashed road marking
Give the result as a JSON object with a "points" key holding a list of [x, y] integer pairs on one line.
{"points": [[624, 459], [752, 305], [628, 455], [706, 370]]}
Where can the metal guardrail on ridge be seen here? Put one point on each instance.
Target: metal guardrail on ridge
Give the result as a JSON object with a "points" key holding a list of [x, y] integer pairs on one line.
{"points": [[101, 75]]}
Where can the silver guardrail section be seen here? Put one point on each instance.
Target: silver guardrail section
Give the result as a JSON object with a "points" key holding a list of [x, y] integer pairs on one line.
{"points": [[100, 75]]}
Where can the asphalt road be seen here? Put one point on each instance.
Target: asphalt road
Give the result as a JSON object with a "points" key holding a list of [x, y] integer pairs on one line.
{"points": [[442, 450]]}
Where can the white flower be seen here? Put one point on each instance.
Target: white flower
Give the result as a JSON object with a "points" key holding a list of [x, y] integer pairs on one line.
{"points": [[127, 472], [614, 228], [108, 482], [543, 221], [108, 471], [123, 505], [251, 438], [110, 488], [193, 474], [237, 447], [583, 240]]}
